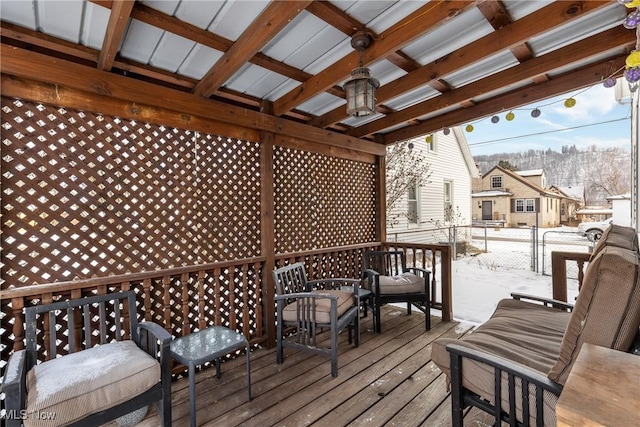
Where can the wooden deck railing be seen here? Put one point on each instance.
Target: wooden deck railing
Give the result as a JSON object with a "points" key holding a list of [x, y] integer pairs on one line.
{"points": [[230, 293], [559, 271], [180, 299]]}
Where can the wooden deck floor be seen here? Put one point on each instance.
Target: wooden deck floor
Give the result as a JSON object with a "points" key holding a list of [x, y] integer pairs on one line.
{"points": [[388, 380]]}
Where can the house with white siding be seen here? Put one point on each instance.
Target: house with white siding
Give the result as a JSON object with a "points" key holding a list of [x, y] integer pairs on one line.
{"points": [[446, 199]]}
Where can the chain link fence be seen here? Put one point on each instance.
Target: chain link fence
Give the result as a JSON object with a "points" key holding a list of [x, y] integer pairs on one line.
{"points": [[522, 248]]}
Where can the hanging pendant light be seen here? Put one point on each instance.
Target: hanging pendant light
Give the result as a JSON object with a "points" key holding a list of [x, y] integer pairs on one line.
{"points": [[361, 89]]}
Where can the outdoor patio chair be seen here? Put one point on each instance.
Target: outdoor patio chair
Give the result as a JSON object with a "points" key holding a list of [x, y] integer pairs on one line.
{"points": [[309, 306], [386, 274], [515, 365], [88, 361]]}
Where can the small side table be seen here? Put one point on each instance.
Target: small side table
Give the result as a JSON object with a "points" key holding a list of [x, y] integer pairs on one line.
{"points": [[204, 346], [602, 389]]}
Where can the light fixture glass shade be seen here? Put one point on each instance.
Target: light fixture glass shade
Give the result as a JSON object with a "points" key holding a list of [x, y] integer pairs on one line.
{"points": [[361, 93]]}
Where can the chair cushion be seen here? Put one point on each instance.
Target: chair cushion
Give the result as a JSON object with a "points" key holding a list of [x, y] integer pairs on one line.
{"points": [[346, 300], [405, 283], [618, 236], [607, 310], [522, 332], [82, 383]]}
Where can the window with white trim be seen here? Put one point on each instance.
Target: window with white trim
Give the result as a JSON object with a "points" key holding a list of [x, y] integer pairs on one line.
{"points": [[412, 205], [525, 205], [496, 181], [448, 200]]}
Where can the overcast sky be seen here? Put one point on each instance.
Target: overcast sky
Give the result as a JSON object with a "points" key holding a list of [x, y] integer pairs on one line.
{"points": [[597, 118]]}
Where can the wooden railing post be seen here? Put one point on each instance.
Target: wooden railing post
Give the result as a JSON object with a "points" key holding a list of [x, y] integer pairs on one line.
{"points": [[559, 271], [17, 304], [559, 276]]}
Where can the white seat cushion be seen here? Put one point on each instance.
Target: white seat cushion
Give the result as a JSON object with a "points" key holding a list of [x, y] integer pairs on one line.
{"points": [[82, 383], [405, 283]]}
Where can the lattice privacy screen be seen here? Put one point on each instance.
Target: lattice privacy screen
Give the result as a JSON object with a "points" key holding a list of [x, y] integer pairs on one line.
{"points": [[89, 195], [321, 201]]}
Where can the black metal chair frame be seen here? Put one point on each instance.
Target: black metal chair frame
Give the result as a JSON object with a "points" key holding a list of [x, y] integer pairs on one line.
{"points": [[148, 336], [292, 286], [391, 263]]}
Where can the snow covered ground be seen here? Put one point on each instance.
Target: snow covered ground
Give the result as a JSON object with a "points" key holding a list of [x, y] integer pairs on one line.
{"points": [[480, 282], [477, 288]]}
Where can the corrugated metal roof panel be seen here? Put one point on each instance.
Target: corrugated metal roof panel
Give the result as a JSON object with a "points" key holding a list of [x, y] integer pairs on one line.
{"points": [[141, 41], [94, 29], [452, 35], [18, 12], [579, 29], [62, 19]]}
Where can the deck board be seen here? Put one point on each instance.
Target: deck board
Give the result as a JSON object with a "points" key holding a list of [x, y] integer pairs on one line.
{"points": [[389, 380]]}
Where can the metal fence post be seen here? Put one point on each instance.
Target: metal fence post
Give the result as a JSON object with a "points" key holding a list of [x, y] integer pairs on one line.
{"points": [[455, 243], [486, 248], [534, 251]]}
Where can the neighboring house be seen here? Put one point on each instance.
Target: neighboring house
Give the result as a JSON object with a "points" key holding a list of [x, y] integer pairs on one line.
{"points": [[594, 213], [571, 202], [621, 207], [504, 197], [446, 199]]}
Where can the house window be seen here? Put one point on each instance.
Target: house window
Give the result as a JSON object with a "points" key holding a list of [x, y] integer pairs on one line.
{"points": [[412, 204], [496, 181], [431, 143], [531, 205], [519, 205], [448, 199], [525, 205]]}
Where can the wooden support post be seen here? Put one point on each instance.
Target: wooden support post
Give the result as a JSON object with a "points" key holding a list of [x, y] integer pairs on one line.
{"points": [[381, 199], [267, 244]]}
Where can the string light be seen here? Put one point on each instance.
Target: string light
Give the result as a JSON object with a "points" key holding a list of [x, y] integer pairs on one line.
{"points": [[631, 71], [632, 63]]}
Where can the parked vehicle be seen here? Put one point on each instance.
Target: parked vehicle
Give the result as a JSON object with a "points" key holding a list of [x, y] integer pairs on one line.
{"points": [[593, 230]]}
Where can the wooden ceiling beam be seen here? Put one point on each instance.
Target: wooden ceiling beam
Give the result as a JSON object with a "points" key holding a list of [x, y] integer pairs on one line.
{"points": [[30, 65], [64, 96], [180, 28], [404, 32], [495, 12], [15, 32], [498, 16], [262, 30], [117, 25], [348, 25], [615, 39], [336, 17], [65, 49], [514, 34], [577, 79]]}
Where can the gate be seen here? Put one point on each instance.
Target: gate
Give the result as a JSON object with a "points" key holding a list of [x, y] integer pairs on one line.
{"points": [[565, 241]]}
